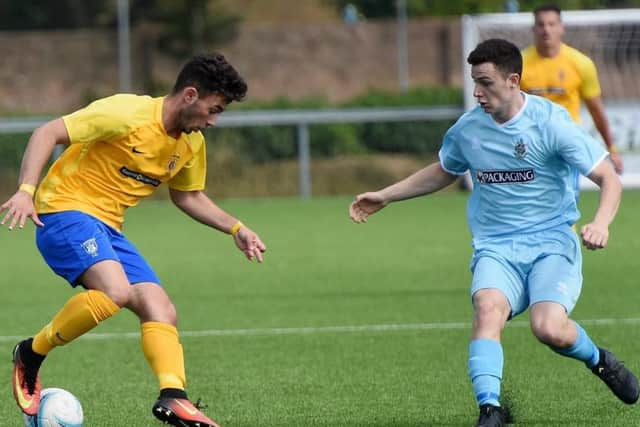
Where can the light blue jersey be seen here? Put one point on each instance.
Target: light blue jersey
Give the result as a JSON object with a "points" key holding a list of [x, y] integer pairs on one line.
{"points": [[522, 169]]}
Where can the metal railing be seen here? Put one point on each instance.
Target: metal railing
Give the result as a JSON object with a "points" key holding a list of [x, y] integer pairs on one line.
{"points": [[299, 118]]}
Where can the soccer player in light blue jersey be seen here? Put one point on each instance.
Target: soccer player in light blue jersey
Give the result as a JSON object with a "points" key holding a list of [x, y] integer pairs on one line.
{"points": [[520, 150]]}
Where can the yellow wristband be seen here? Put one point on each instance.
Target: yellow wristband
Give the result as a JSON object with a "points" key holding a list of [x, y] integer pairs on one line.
{"points": [[612, 149], [236, 227], [27, 188]]}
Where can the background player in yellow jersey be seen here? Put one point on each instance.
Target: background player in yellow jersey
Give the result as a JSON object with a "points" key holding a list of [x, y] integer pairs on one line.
{"points": [[121, 148], [564, 75]]}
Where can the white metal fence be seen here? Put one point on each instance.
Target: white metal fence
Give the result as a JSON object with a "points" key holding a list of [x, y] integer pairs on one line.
{"points": [[301, 119]]}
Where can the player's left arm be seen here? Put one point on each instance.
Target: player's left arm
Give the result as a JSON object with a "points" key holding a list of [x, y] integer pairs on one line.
{"points": [[200, 207], [595, 234], [596, 109]]}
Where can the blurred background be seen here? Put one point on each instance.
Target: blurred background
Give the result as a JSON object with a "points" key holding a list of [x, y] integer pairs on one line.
{"points": [[343, 325], [344, 96]]}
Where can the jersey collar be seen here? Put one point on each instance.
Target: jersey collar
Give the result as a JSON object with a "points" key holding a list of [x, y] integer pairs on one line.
{"points": [[517, 116]]}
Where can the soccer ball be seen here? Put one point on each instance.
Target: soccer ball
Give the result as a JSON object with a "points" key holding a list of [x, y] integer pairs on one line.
{"points": [[58, 408]]}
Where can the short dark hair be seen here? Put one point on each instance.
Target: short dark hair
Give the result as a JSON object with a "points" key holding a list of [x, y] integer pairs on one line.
{"points": [[212, 74], [503, 54], [547, 8]]}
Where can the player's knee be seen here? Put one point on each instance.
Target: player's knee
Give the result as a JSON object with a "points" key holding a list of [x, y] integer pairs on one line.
{"points": [[489, 311], [165, 314], [171, 315], [490, 306], [550, 333], [120, 295], [160, 311], [150, 310]]}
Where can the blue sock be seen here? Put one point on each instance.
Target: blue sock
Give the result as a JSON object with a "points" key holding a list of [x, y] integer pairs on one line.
{"points": [[485, 370], [583, 349]]}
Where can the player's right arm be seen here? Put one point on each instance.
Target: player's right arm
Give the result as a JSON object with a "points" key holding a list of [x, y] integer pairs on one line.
{"points": [[39, 150], [427, 180], [596, 109], [590, 92]]}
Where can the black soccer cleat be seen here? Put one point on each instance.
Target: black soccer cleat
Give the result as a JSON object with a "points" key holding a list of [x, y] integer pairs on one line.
{"points": [[493, 416], [617, 377]]}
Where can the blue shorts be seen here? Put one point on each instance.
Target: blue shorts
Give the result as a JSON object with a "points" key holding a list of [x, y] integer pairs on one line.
{"points": [[70, 242], [530, 268]]}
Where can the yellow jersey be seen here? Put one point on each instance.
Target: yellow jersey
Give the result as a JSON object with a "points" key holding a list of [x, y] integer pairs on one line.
{"points": [[564, 79], [119, 153]]}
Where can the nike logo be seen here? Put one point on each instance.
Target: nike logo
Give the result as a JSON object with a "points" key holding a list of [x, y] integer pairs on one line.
{"points": [[22, 400], [135, 150], [190, 411], [60, 338]]}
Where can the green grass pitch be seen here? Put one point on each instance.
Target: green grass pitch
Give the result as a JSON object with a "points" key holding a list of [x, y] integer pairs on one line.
{"points": [[343, 325]]}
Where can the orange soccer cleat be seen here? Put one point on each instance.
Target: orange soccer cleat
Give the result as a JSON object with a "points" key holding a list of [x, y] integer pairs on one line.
{"points": [[181, 412], [26, 382]]}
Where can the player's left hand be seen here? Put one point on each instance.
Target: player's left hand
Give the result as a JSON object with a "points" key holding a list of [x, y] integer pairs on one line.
{"points": [[616, 159], [249, 243], [594, 236]]}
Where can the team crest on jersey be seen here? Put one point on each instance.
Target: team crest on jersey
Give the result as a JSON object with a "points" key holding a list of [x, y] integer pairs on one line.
{"points": [[173, 162], [90, 247], [561, 75], [520, 150]]}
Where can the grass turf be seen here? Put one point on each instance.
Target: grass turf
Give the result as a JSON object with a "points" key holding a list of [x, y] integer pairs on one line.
{"points": [[407, 266]]}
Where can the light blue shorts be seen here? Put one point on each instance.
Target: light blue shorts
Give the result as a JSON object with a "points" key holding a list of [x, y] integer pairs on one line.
{"points": [[71, 242], [530, 268]]}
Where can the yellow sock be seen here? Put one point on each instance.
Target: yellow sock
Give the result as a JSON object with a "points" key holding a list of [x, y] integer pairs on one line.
{"points": [[162, 348], [79, 315]]}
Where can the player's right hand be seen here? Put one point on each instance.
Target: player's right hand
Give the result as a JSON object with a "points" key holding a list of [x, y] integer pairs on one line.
{"points": [[19, 207], [366, 204]]}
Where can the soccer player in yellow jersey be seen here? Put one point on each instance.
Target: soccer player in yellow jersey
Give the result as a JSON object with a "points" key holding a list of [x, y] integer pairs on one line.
{"points": [[564, 75], [121, 148]]}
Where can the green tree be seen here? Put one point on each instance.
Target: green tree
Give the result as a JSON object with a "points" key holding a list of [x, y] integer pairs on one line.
{"points": [[184, 27], [46, 14], [178, 27]]}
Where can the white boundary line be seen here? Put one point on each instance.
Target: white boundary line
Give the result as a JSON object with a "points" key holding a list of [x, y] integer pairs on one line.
{"points": [[330, 329]]}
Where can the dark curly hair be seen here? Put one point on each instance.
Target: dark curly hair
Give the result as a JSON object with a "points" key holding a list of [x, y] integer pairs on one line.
{"points": [[503, 54], [212, 74]]}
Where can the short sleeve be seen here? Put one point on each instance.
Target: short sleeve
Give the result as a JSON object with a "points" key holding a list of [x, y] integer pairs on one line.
{"points": [[451, 158], [574, 144], [193, 174], [590, 86], [102, 120]]}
